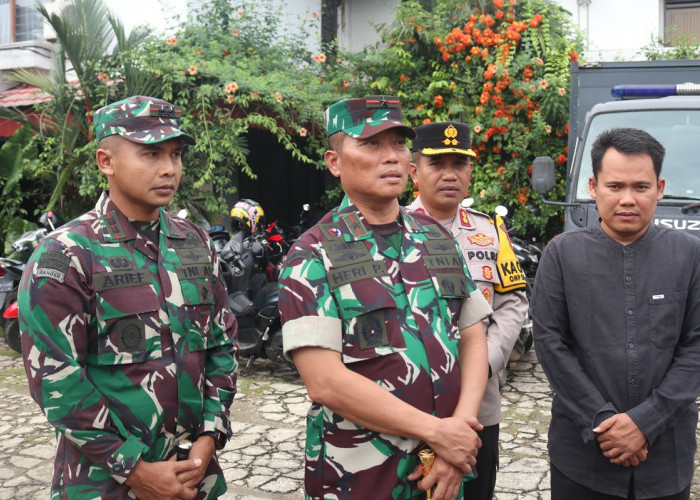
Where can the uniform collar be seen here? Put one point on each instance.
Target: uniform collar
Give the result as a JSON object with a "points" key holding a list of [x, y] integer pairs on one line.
{"points": [[115, 225], [360, 229], [462, 219]]}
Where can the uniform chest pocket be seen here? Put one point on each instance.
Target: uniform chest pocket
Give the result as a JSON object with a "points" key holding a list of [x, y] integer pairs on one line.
{"points": [[128, 326], [371, 320], [666, 312], [194, 323], [451, 287]]}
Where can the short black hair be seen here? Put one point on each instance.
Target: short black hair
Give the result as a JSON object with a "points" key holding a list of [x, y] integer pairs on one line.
{"points": [[335, 140], [629, 141]]}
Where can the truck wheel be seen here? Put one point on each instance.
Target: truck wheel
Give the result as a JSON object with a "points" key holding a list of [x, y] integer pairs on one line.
{"points": [[12, 335]]}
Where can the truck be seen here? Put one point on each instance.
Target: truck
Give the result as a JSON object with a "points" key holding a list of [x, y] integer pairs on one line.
{"points": [[660, 97]]}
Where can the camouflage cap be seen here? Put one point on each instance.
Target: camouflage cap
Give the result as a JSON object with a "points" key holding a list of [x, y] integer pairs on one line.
{"points": [[141, 119], [445, 137], [366, 116]]}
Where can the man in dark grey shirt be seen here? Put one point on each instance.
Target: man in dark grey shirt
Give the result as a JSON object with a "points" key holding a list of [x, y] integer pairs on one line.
{"points": [[616, 312]]}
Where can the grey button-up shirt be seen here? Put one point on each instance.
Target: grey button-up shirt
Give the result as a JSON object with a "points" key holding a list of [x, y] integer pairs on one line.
{"points": [[617, 329]]}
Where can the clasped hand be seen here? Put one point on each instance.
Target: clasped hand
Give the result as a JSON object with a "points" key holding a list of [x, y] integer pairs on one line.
{"points": [[455, 450], [622, 441]]}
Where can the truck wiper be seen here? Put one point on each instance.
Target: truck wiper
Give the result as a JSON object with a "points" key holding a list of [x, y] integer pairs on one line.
{"points": [[685, 208], [677, 197]]}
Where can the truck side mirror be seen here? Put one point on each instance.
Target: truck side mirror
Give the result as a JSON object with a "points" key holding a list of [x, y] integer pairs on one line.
{"points": [[543, 178]]}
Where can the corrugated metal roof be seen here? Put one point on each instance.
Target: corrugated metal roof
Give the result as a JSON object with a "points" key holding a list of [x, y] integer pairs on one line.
{"points": [[22, 95]]}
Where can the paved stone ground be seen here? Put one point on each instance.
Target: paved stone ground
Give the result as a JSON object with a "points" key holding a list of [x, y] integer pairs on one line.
{"points": [[264, 460]]}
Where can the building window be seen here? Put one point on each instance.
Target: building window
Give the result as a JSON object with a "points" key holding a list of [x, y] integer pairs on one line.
{"points": [[682, 21], [20, 21]]}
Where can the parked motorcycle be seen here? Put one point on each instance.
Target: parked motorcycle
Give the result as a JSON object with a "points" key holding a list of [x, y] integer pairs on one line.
{"points": [[11, 270], [528, 255], [253, 291], [10, 274]]}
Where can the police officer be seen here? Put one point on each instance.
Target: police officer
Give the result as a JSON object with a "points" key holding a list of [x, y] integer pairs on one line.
{"points": [[442, 168], [127, 340], [384, 324]]}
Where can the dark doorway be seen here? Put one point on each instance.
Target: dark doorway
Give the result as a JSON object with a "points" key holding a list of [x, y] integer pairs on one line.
{"points": [[283, 184]]}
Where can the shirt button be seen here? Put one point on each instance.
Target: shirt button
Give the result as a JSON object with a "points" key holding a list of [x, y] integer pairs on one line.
{"points": [[633, 380], [628, 278], [118, 466], [631, 345], [630, 312]]}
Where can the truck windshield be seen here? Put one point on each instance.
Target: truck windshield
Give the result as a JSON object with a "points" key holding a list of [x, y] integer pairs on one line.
{"points": [[677, 130]]}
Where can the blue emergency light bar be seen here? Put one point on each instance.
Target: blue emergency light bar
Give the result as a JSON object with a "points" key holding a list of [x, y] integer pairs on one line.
{"points": [[661, 90]]}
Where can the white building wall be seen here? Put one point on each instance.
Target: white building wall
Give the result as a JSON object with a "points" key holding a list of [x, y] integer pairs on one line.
{"points": [[358, 19], [298, 13], [616, 29]]}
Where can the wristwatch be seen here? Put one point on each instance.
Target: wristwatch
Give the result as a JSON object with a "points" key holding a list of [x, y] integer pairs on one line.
{"points": [[220, 438]]}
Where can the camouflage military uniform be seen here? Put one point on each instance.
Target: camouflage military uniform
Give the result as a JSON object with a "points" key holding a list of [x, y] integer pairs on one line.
{"points": [[396, 318], [479, 241], [128, 346]]}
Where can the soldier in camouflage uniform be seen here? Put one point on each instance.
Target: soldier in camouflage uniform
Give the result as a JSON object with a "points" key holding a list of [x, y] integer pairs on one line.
{"points": [[127, 339], [442, 168], [384, 324]]}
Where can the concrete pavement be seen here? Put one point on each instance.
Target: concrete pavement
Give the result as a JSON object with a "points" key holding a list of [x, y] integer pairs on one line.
{"points": [[264, 460]]}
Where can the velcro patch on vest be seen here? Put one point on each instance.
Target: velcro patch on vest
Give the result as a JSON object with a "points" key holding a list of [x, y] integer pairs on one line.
{"points": [[355, 226], [131, 335], [355, 272], [119, 262], [433, 232], [194, 271], [452, 285], [441, 247], [371, 330], [344, 253], [53, 265], [447, 261], [111, 221], [193, 255], [205, 293], [192, 240], [118, 279], [331, 231]]}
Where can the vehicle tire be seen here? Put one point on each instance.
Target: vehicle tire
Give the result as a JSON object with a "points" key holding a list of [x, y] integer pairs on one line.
{"points": [[528, 342], [12, 337]]}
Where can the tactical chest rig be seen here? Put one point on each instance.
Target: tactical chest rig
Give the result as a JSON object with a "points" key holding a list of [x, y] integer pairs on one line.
{"points": [[422, 300]]}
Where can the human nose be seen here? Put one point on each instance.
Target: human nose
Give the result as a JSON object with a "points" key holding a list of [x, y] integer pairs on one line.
{"points": [[627, 197], [389, 153], [168, 166], [449, 173]]}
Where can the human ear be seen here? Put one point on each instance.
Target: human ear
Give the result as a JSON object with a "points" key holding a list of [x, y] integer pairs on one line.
{"points": [[332, 159], [592, 187], [104, 159]]}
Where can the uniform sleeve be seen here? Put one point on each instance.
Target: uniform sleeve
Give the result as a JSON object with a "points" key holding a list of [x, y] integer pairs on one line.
{"points": [[581, 400], [221, 363], [309, 313], [474, 309], [55, 314], [503, 329]]}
